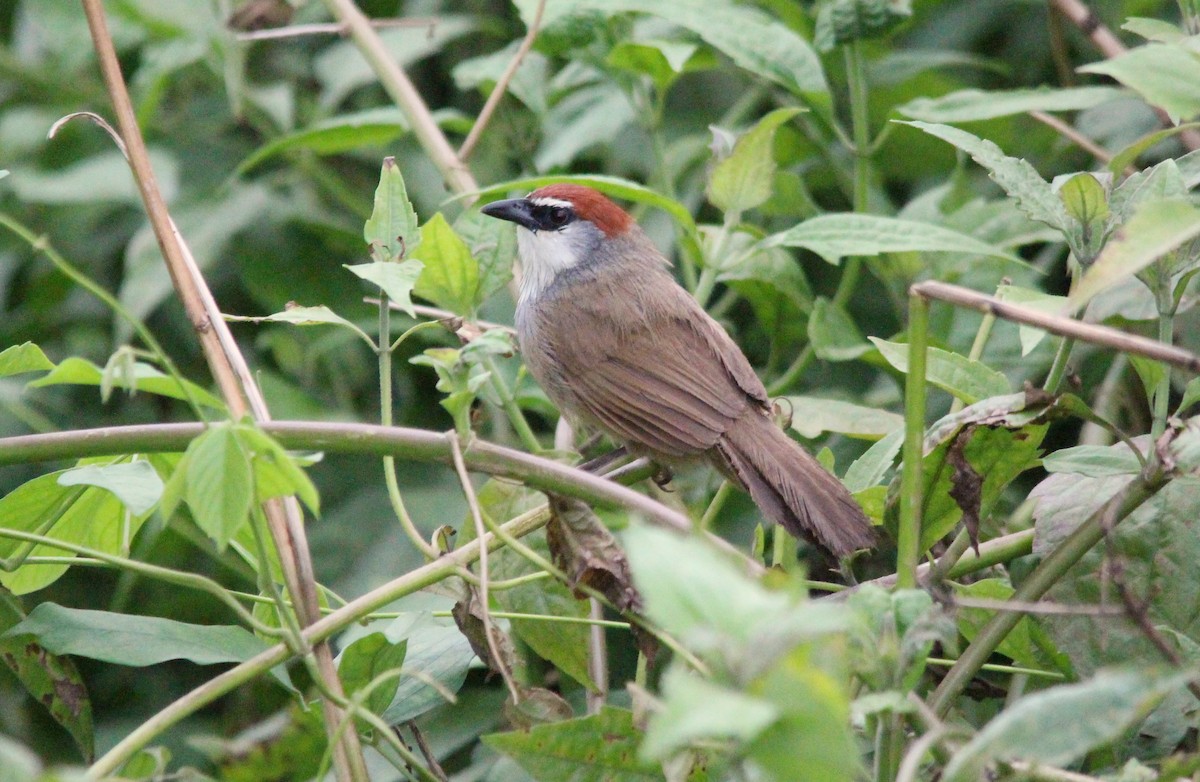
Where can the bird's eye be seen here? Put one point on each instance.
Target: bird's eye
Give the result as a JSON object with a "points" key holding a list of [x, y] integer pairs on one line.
{"points": [[559, 216]]}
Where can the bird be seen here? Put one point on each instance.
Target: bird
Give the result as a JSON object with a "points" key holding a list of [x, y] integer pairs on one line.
{"points": [[616, 343]]}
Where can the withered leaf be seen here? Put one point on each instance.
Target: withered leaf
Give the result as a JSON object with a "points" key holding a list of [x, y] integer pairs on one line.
{"points": [[468, 615], [966, 485]]}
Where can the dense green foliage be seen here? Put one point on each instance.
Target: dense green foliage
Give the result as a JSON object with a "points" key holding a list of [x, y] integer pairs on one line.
{"points": [[803, 166]]}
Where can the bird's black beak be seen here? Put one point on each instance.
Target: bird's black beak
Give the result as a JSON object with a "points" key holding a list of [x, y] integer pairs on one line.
{"points": [[515, 210]]}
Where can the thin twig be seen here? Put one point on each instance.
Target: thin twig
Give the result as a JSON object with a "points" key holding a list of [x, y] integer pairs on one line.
{"points": [[331, 28], [1057, 324], [489, 631], [489, 107], [1074, 136], [597, 659], [427, 752]]}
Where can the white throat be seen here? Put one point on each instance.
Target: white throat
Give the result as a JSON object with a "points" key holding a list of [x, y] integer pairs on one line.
{"points": [[546, 253]]}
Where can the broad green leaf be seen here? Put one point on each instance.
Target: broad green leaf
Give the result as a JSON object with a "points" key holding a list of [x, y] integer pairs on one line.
{"points": [[493, 245], [276, 473], [743, 180], [1042, 302], [219, 483], [1191, 395], [1129, 155], [696, 590], [435, 652], [1020, 180], [833, 334], [974, 105], [1094, 461], [844, 21], [1063, 723], [82, 515], [1161, 182], [391, 230], [450, 278], [367, 658], [749, 37], [50, 679], [1155, 229], [342, 133], [599, 748], [26, 357], [77, 371], [127, 639], [835, 236], [966, 379], [1164, 74], [135, 484], [812, 416], [696, 709], [771, 267], [395, 279], [869, 469], [311, 316]]}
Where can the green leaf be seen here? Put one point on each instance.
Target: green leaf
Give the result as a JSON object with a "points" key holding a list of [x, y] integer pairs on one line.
{"points": [[1129, 155], [1087, 201], [342, 133], [276, 473], [367, 658], [436, 652], [812, 416], [844, 21], [1164, 74], [1033, 195], [869, 469], [493, 245], [743, 180], [835, 236], [833, 334], [138, 641], [82, 515], [311, 316], [395, 279], [1094, 461], [451, 276], [135, 484], [219, 483], [51, 680], [1191, 395], [748, 36], [1154, 29], [662, 61], [77, 371], [391, 230], [1156, 228], [598, 748], [1063, 723], [966, 379], [1026, 644], [696, 709], [974, 105], [26, 357]]}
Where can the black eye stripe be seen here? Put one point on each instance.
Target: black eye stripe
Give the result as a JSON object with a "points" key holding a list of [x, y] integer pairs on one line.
{"points": [[552, 217]]}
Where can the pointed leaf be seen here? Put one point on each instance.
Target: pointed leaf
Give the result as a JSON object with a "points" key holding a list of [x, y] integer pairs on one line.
{"points": [[26, 357], [77, 371], [966, 379], [974, 105], [451, 276], [813, 416], [1164, 74], [834, 236], [391, 231], [743, 180], [597, 748], [219, 483], [135, 484]]}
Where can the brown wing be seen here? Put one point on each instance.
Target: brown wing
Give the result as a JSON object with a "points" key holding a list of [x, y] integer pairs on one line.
{"points": [[659, 374]]}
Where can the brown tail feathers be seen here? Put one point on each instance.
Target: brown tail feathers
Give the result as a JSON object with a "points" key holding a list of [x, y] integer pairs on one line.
{"points": [[791, 488]]}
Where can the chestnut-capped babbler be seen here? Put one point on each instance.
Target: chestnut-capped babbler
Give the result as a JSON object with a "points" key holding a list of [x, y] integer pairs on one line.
{"points": [[618, 344]]}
